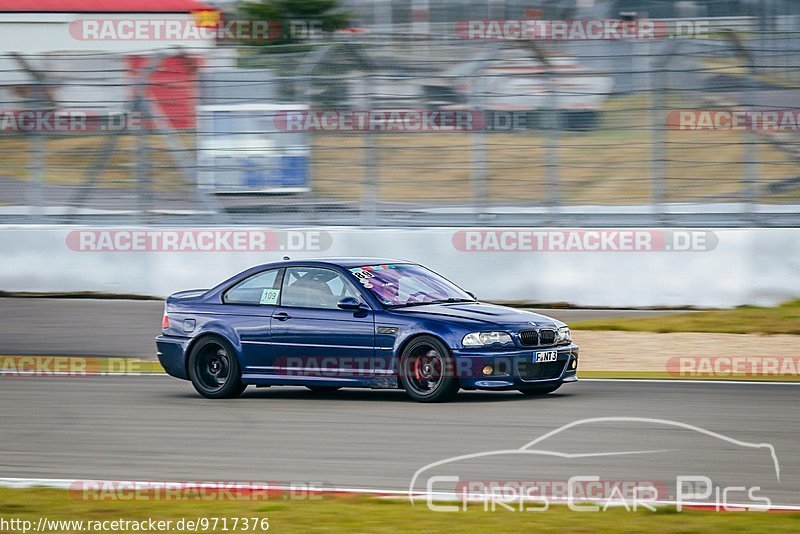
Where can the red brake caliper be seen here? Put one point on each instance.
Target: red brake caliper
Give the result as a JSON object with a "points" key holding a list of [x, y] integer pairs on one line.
{"points": [[416, 369]]}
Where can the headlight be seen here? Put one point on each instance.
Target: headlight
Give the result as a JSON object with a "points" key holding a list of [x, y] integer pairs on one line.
{"points": [[564, 335], [479, 339]]}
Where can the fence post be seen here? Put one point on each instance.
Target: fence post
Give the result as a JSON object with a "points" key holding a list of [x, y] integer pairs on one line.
{"points": [[750, 189], [370, 194], [478, 179], [370, 188], [36, 158], [552, 146], [142, 173], [657, 150], [41, 100], [659, 85]]}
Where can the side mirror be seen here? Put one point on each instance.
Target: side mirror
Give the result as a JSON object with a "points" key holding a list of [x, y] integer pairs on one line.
{"points": [[349, 303]]}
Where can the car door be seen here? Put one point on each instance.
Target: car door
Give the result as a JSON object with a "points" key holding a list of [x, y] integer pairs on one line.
{"points": [[247, 308], [311, 336]]}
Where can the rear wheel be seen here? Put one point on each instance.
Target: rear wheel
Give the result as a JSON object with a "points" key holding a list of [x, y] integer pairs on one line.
{"points": [[214, 369], [535, 391], [427, 371]]}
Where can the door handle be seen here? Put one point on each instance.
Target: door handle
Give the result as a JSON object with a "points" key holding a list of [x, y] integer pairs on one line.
{"points": [[282, 316]]}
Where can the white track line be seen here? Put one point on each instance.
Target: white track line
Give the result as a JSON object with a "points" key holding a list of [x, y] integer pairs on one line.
{"points": [[691, 381], [143, 485]]}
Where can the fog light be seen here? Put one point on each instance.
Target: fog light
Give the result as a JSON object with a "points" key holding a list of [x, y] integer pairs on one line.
{"points": [[488, 370], [574, 364]]}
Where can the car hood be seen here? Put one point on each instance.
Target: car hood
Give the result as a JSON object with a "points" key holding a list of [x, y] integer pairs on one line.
{"points": [[472, 312]]}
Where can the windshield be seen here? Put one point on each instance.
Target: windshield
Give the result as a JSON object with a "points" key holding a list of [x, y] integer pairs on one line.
{"points": [[405, 284]]}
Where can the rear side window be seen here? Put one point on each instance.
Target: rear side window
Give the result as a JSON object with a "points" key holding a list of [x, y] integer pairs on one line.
{"points": [[260, 289]]}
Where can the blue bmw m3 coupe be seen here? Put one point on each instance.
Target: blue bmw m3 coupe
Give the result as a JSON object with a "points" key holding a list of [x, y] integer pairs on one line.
{"points": [[358, 322]]}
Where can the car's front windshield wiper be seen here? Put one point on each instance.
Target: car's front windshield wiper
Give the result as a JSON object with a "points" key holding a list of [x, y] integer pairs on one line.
{"points": [[441, 301], [409, 304]]}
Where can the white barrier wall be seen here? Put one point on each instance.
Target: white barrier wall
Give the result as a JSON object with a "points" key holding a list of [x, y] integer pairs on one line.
{"points": [[589, 267]]}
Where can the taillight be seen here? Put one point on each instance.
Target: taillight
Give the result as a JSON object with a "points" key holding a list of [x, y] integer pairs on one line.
{"points": [[165, 322]]}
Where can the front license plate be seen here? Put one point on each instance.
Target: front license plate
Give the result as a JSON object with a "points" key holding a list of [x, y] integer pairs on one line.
{"points": [[542, 357]]}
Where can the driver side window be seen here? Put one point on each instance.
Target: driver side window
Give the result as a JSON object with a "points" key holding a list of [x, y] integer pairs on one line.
{"points": [[314, 287]]}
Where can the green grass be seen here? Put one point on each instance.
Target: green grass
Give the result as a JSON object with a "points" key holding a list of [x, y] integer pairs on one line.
{"points": [[783, 319], [362, 514]]}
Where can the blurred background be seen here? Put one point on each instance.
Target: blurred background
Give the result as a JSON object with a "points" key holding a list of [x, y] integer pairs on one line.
{"points": [[179, 112]]}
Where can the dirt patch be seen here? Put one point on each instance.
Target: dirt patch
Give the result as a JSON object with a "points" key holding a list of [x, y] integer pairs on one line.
{"points": [[647, 351]]}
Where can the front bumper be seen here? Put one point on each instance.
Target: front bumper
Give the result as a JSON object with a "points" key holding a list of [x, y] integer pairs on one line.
{"points": [[172, 355], [515, 368]]}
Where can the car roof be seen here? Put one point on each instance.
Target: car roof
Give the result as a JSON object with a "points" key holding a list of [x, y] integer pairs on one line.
{"points": [[342, 262]]}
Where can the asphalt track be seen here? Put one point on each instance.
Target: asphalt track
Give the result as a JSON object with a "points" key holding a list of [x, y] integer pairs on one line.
{"points": [[89, 327], [157, 428]]}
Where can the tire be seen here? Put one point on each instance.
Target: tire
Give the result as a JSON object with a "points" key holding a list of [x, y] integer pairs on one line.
{"points": [[538, 391], [323, 389], [427, 371], [214, 369]]}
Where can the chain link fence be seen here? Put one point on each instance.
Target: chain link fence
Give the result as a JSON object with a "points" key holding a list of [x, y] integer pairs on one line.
{"points": [[390, 127]]}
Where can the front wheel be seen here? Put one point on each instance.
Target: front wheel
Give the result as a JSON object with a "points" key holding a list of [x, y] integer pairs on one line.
{"points": [[536, 391], [427, 371], [214, 370]]}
